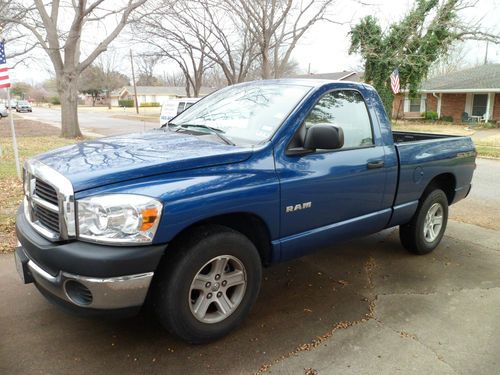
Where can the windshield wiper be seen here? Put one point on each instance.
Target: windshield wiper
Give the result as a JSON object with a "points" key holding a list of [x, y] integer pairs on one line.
{"points": [[217, 132]]}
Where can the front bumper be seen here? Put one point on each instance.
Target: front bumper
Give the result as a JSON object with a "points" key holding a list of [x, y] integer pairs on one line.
{"points": [[85, 275], [90, 292]]}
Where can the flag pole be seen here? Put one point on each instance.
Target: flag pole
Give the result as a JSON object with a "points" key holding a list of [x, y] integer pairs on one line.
{"points": [[14, 140]]}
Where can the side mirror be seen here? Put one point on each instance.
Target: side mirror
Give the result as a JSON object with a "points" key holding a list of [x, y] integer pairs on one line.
{"points": [[324, 136]]}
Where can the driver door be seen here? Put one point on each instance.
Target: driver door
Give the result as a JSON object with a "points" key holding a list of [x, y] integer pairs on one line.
{"points": [[327, 194]]}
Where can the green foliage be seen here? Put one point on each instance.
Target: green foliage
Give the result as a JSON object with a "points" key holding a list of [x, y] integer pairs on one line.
{"points": [[412, 45], [126, 103], [55, 100], [94, 81], [491, 124], [150, 104], [447, 118], [20, 89], [430, 115]]}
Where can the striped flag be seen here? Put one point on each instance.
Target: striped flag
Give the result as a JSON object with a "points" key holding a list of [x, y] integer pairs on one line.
{"points": [[4, 70], [395, 81]]}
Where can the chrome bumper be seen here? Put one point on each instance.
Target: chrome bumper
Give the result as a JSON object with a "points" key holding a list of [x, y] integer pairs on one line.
{"points": [[106, 293]]}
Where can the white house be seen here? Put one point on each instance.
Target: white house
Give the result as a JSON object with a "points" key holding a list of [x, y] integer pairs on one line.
{"points": [[148, 94]]}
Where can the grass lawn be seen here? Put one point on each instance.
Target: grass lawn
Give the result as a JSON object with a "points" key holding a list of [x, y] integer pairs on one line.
{"points": [[487, 141], [33, 138]]}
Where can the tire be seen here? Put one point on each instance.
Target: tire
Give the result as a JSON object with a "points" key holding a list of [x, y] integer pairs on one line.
{"points": [[419, 236], [197, 311]]}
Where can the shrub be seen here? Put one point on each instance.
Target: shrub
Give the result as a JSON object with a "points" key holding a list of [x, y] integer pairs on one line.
{"points": [[430, 115], [490, 124], [447, 118], [126, 103], [55, 100], [150, 104]]}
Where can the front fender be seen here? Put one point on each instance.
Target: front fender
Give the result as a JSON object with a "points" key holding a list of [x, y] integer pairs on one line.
{"points": [[195, 195]]}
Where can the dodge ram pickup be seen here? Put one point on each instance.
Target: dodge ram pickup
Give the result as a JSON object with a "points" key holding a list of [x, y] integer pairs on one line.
{"points": [[183, 218]]}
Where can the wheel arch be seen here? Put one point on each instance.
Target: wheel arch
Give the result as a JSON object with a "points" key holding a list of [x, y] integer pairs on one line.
{"points": [[248, 224], [446, 182]]}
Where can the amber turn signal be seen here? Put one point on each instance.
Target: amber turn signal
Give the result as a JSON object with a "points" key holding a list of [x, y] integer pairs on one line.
{"points": [[149, 216]]}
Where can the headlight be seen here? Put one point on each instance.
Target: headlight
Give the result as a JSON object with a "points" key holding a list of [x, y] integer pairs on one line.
{"points": [[118, 218]]}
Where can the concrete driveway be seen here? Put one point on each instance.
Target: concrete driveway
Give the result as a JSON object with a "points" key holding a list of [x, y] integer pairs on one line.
{"points": [[365, 307]]}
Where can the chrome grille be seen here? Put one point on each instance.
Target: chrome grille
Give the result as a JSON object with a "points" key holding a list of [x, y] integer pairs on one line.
{"points": [[49, 202], [46, 192], [47, 218]]}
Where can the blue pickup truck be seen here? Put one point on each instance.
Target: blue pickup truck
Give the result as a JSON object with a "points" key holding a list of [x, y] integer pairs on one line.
{"points": [[184, 218]]}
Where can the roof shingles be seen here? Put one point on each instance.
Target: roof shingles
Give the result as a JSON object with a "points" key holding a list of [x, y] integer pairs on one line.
{"points": [[478, 78]]}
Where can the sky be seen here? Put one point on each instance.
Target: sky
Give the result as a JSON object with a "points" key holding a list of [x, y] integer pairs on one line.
{"points": [[324, 48]]}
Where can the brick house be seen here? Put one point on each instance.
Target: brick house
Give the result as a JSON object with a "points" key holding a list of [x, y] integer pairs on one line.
{"points": [[474, 91]]}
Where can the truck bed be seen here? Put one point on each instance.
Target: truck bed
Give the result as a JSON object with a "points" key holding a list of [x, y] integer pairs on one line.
{"points": [[423, 155]]}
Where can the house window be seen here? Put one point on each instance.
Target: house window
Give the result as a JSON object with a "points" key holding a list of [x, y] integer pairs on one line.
{"points": [[415, 104], [479, 104]]}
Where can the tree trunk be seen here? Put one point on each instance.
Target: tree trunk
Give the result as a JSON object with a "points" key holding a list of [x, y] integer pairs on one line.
{"points": [[266, 64], [68, 93]]}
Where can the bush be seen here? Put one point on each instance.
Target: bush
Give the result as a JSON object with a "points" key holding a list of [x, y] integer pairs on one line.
{"points": [[429, 115], [447, 118], [126, 103], [150, 104], [55, 100], [490, 124]]}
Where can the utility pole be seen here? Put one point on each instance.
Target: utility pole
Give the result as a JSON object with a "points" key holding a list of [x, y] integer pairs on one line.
{"points": [[486, 53], [133, 82], [14, 139]]}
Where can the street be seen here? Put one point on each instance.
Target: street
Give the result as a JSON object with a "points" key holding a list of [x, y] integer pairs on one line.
{"points": [[363, 307], [95, 123]]}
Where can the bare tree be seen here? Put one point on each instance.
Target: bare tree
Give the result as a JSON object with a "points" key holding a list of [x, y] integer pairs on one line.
{"points": [[174, 79], [62, 40], [112, 79], [277, 26], [200, 34], [455, 60], [177, 30], [146, 63]]}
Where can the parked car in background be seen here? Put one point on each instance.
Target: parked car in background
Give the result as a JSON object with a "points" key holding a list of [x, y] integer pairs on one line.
{"points": [[12, 104], [173, 107], [4, 112], [23, 106]]}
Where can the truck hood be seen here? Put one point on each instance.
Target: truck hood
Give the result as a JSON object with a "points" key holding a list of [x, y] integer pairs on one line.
{"points": [[110, 160]]}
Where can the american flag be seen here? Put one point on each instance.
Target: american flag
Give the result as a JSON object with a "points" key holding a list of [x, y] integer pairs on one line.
{"points": [[395, 81], [4, 70]]}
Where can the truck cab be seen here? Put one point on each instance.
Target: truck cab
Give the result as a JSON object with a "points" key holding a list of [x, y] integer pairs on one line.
{"points": [[184, 218]]}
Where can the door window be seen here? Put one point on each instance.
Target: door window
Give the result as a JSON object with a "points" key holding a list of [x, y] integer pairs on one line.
{"points": [[345, 109], [180, 108]]}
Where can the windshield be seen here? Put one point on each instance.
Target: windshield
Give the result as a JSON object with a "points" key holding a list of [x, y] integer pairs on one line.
{"points": [[248, 114]]}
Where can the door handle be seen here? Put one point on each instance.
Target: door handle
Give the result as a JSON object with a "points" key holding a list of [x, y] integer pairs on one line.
{"points": [[375, 164]]}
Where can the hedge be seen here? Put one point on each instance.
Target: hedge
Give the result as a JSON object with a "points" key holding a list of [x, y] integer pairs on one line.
{"points": [[150, 104], [126, 103], [55, 100]]}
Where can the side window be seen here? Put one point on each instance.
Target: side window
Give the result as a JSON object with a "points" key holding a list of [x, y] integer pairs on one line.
{"points": [[347, 110], [180, 108]]}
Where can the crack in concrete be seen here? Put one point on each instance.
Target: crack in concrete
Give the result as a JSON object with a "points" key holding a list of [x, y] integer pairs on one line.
{"points": [[415, 338], [369, 267], [437, 292]]}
